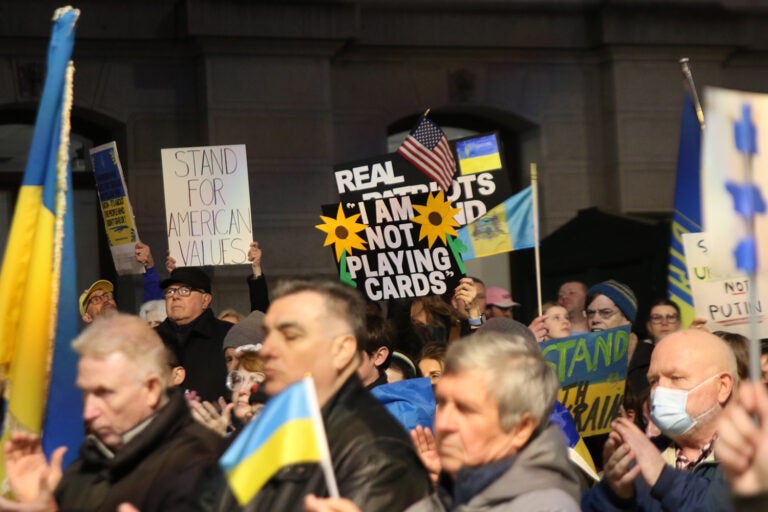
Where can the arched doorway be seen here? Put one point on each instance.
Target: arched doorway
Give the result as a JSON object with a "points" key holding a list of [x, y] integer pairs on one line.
{"points": [[89, 129]]}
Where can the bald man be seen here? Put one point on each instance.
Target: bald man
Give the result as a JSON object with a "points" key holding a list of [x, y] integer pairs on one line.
{"points": [[692, 376]]}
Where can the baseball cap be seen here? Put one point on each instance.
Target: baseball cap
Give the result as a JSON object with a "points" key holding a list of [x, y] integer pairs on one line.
{"points": [[101, 284], [499, 297]]}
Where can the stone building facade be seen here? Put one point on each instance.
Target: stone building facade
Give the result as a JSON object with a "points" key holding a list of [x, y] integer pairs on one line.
{"points": [[590, 90]]}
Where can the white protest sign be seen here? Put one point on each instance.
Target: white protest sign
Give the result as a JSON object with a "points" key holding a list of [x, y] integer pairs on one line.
{"points": [[723, 299], [734, 172], [207, 205]]}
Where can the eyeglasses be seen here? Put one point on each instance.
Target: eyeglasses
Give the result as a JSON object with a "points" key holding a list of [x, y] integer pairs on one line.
{"points": [[236, 379], [605, 314], [98, 299], [662, 319], [182, 291]]}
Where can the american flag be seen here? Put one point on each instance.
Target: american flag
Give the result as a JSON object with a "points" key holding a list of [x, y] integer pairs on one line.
{"points": [[426, 147]]}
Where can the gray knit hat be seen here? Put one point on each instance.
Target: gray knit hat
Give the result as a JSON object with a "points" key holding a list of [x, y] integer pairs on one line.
{"points": [[506, 325], [247, 331]]}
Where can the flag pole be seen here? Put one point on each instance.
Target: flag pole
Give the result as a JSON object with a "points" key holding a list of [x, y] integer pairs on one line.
{"points": [[326, 465], [686, 69], [535, 198]]}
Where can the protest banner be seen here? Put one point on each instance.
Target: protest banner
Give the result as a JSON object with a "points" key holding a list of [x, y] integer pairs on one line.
{"points": [[734, 179], [722, 298], [481, 182], [395, 247], [116, 208], [207, 205], [591, 368]]}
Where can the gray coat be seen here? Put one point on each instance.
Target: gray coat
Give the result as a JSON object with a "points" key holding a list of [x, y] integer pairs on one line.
{"points": [[540, 480]]}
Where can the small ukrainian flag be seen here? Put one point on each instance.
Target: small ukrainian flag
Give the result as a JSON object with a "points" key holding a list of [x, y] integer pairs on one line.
{"points": [[288, 431], [478, 154]]}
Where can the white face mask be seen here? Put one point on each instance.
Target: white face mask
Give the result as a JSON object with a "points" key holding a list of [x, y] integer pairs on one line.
{"points": [[668, 409]]}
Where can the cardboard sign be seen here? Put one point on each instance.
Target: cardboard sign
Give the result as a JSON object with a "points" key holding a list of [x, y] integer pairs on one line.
{"points": [[395, 247], [591, 368], [116, 208], [734, 178], [207, 205], [481, 181], [723, 298]]}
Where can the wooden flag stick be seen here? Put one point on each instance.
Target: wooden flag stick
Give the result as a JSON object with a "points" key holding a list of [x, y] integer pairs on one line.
{"points": [[535, 197]]}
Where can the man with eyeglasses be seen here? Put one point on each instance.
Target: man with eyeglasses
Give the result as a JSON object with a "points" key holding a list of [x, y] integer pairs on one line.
{"points": [[97, 300], [199, 333]]}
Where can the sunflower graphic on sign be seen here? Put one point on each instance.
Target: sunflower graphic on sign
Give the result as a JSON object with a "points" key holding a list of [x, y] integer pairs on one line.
{"points": [[436, 219], [342, 232]]}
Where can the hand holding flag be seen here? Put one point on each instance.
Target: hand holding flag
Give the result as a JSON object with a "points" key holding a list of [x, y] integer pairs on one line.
{"points": [[288, 431]]}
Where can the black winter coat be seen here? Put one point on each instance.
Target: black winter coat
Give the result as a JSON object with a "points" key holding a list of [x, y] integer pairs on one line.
{"points": [[157, 471], [373, 459], [202, 354]]}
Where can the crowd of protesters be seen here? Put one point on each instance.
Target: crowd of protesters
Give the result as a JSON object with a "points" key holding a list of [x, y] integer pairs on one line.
{"points": [[165, 394]]}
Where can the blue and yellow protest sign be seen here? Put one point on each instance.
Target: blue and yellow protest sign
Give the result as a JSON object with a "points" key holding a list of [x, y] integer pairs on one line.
{"points": [[591, 368], [116, 208]]}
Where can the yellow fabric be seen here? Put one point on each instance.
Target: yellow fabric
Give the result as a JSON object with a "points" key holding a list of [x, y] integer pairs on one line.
{"points": [[281, 449], [480, 164]]}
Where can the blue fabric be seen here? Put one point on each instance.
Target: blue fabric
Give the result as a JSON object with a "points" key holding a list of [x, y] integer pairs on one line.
{"points": [[152, 290], [63, 424], [410, 401], [687, 215], [703, 490]]}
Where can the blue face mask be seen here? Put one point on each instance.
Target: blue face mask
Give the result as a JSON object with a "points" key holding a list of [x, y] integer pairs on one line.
{"points": [[668, 409]]}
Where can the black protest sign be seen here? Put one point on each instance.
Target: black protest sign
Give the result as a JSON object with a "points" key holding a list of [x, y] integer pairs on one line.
{"points": [[481, 181], [395, 247]]}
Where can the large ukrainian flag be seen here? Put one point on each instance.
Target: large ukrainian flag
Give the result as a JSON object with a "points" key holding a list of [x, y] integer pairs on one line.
{"points": [[288, 431], [687, 215], [38, 295]]}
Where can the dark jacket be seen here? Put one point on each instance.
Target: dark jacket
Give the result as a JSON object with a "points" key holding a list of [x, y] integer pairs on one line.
{"points": [[373, 460], [702, 490], [158, 470], [258, 293], [202, 353]]}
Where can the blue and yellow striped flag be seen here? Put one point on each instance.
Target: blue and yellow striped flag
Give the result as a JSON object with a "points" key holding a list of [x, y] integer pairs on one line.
{"points": [[687, 215], [288, 431], [505, 227], [478, 154], [38, 293]]}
